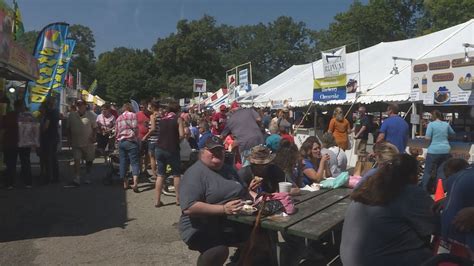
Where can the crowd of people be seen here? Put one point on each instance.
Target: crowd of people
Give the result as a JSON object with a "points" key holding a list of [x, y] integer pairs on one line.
{"points": [[243, 152]]}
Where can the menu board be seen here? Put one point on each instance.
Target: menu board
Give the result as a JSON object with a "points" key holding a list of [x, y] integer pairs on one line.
{"points": [[443, 80]]}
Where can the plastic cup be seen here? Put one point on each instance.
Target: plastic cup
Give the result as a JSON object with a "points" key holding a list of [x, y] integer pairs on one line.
{"points": [[284, 186]]}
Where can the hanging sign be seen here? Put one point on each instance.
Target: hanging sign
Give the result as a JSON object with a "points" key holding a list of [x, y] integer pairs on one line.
{"points": [[334, 61], [331, 88], [443, 80]]}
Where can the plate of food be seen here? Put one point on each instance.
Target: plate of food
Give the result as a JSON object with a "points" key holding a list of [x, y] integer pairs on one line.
{"points": [[466, 83], [442, 96], [248, 210]]}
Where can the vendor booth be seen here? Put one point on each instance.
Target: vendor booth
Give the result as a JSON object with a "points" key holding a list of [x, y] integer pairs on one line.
{"points": [[382, 73]]}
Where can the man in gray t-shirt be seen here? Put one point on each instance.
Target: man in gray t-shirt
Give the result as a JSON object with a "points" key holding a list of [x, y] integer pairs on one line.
{"points": [[209, 191], [244, 125]]}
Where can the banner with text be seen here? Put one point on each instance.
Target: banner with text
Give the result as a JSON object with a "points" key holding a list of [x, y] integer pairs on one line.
{"points": [[443, 80], [334, 61], [330, 88], [48, 51], [199, 85]]}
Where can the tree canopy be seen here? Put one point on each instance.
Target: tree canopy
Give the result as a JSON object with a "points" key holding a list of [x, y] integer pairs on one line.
{"points": [[205, 49]]}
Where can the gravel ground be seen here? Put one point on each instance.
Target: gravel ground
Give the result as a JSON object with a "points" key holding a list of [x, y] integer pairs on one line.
{"points": [[93, 224]]}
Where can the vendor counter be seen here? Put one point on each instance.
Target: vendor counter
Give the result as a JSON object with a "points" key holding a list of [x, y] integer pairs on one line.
{"points": [[459, 149]]}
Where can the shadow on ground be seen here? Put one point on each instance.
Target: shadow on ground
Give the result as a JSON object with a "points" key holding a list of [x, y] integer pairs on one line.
{"points": [[48, 211]]}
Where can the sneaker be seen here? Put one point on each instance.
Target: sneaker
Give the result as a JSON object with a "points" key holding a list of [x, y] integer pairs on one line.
{"points": [[166, 192], [72, 184], [171, 189]]}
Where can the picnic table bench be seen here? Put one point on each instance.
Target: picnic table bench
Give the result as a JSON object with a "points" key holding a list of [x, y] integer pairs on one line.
{"points": [[318, 214]]}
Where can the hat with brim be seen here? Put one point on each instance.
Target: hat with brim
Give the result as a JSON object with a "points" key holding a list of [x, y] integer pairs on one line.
{"points": [[261, 155]]}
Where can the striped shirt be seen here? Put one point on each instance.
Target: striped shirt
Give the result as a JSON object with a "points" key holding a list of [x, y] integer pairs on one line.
{"points": [[127, 126], [153, 137]]}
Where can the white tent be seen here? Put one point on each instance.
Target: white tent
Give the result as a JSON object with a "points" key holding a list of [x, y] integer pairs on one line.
{"points": [[376, 83]]}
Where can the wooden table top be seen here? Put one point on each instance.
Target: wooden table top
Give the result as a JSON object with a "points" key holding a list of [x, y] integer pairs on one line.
{"points": [[317, 213]]}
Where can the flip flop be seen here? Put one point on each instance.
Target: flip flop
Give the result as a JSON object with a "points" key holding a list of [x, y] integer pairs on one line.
{"points": [[158, 205]]}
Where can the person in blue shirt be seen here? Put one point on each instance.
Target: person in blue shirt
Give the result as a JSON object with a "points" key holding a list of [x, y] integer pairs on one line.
{"points": [[205, 134], [438, 151], [315, 166], [273, 141], [394, 129]]}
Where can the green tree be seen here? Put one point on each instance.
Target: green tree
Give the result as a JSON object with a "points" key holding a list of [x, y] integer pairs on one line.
{"points": [[84, 58], [28, 40], [125, 74], [441, 14], [192, 52], [378, 21]]}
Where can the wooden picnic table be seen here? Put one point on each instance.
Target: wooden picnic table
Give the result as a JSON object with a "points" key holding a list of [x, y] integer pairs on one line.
{"points": [[317, 214]]}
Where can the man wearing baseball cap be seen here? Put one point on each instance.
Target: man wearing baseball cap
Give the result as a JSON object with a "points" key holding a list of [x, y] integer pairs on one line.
{"points": [[209, 191]]}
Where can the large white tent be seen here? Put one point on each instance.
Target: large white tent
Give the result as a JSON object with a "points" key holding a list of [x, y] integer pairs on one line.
{"points": [[376, 83]]}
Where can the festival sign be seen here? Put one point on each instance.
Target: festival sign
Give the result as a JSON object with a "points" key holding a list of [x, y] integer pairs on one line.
{"points": [[443, 80], [330, 88], [334, 61], [199, 85], [48, 51]]}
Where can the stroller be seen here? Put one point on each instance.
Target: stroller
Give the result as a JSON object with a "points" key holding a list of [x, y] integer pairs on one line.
{"points": [[112, 162]]}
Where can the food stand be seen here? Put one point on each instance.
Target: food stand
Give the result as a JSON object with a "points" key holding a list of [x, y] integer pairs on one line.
{"points": [[445, 83], [16, 64]]}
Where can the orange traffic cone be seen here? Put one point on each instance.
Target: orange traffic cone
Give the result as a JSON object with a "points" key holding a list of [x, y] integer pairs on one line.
{"points": [[439, 194]]}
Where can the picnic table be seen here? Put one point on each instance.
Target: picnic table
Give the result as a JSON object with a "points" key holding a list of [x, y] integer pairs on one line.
{"points": [[317, 214]]}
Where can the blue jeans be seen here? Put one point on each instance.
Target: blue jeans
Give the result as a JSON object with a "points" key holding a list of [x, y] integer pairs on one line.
{"points": [[432, 163], [128, 151]]}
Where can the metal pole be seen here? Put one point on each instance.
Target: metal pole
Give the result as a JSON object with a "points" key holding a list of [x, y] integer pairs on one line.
{"points": [[413, 127], [199, 103], [358, 55]]}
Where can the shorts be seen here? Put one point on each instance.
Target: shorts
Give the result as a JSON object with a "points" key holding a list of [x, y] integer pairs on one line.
{"points": [[87, 153], [152, 148], [361, 146], [164, 158]]}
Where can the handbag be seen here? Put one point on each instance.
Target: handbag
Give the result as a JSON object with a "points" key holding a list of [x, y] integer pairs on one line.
{"points": [[275, 202]]}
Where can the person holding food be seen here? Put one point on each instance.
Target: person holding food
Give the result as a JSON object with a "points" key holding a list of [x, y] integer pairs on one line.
{"points": [[261, 175], [437, 133], [315, 166], [209, 191]]}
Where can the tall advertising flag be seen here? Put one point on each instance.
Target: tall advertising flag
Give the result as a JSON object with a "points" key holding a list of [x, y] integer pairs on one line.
{"points": [[48, 51], [63, 64], [18, 28]]}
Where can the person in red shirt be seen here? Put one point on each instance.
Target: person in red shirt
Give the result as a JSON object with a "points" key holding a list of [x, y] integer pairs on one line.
{"points": [[143, 117], [218, 120], [284, 135]]}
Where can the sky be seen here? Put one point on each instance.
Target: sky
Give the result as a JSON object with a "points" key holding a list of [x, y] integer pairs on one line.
{"points": [[139, 23]]}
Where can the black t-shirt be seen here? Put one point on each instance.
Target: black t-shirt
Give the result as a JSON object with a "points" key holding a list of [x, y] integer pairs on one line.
{"points": [[364, 121], [271, 177], [52, 133]]}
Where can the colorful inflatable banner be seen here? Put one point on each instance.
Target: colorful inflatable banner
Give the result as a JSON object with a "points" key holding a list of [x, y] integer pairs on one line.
{"points": [[93, 87], [63, 64], [48, 51], [331, 88]]}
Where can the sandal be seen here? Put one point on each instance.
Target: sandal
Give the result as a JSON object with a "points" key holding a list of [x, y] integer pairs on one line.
{"points": [[158, 205], [135, 189]]}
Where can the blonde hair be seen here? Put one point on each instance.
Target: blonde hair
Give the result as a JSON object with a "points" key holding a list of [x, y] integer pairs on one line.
{"points": [[338, 114], [385, 152]]}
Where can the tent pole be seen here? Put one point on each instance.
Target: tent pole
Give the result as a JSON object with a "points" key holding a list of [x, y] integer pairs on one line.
{"points": [[413, 127]]}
